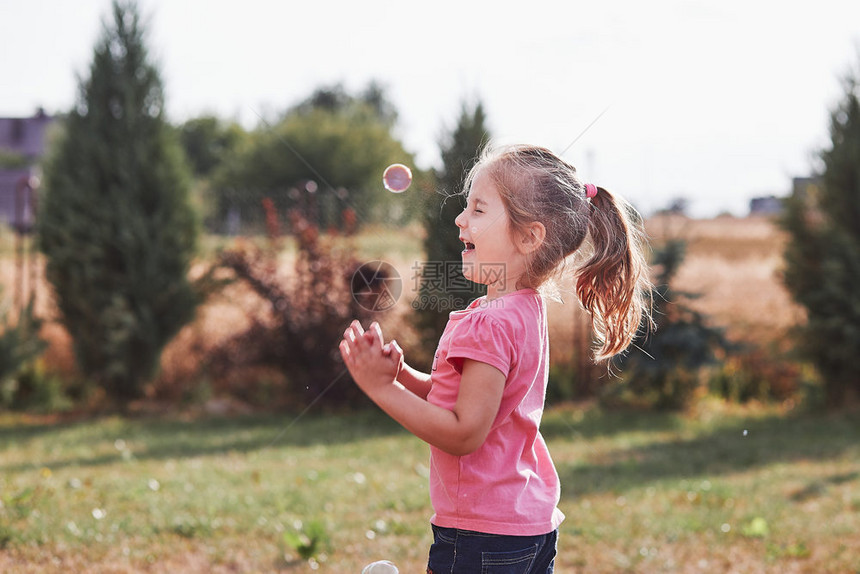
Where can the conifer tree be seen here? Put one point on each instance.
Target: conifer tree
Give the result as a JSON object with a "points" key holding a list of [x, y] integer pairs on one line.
{"points": [[443, 287], [116, 223], [822, 257], [663, 366]]}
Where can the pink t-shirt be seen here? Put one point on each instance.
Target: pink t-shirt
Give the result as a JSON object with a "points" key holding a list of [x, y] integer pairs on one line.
{"points": [[509, 485]]}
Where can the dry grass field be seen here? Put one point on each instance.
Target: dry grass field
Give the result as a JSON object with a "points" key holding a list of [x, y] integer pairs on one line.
{"points": [[734, 264]]}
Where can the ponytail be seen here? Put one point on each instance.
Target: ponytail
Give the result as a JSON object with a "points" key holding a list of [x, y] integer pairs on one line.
{"points": [[613, 284]]}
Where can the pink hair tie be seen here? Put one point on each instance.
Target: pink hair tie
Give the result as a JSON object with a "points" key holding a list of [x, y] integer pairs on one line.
{"points": [[590, 190]]}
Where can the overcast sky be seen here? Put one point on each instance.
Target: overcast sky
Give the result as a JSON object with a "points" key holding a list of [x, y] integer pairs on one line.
{"points": [[717, 102]]}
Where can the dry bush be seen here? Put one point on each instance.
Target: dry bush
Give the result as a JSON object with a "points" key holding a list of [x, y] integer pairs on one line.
{"points": [[296, 339]]}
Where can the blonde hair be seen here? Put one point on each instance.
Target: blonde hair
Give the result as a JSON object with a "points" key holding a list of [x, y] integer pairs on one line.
{"points": [[612, 284]]}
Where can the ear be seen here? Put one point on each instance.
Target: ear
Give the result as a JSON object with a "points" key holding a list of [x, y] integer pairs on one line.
{"points": [[533, 237]]}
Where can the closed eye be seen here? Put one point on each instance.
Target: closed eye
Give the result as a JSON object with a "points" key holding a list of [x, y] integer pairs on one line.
{"points": [[476, 204]]}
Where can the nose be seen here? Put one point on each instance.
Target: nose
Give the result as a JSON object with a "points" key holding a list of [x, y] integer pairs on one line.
{"points": [[460, 220]]}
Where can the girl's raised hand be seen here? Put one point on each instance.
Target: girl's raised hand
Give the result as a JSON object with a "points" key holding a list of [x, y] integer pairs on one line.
{"points": [[372, 363]]}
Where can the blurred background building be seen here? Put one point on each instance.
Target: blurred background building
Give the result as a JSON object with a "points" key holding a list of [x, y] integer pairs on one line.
{"points": [[23, 142]]}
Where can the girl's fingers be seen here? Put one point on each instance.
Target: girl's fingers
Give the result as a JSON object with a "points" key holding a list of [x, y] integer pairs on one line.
{"points": [[395, 352], [377, 339], [349, 335], [356, 337], [396, 347], [344, 351], [349, 345], [352, 352], [373, 336], [392, 348]]}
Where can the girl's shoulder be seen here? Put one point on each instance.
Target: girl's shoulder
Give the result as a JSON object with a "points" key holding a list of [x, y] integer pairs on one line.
{"points": [[513, 307]]}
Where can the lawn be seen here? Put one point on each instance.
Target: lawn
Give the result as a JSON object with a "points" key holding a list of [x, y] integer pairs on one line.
{"points": [[720, 490]]}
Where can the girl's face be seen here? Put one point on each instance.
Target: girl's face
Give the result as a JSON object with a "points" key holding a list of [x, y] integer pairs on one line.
{"points": [[491, 256]]}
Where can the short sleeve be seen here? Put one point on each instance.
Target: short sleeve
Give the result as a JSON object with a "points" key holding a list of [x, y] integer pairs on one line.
{"points": [[481, 338]]}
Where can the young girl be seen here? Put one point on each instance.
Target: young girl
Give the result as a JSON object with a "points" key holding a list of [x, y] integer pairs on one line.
{"points": [[493, 485]]}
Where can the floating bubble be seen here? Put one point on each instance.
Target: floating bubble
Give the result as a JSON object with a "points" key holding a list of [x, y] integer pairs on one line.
{"points": [[380, 567], [397, 178], [746, 432]]}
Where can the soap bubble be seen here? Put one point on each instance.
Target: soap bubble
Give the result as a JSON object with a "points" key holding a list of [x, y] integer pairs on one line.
{"points": [[397, 178], [380, 567]]}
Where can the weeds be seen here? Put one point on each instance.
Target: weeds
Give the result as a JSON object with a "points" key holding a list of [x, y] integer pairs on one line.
{"points": [[307, 540]]}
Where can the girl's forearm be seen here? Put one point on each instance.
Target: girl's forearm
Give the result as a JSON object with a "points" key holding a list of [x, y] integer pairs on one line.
{"points": [[434, 425], [414, 380]]}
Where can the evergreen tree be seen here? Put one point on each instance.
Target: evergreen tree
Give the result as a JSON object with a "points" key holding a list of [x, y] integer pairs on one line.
{"points": [[443, 287], [116, 224], [663, 367], [822, 257]]}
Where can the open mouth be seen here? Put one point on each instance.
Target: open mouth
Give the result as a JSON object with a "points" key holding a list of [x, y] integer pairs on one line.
{"points": [[469, 247]]}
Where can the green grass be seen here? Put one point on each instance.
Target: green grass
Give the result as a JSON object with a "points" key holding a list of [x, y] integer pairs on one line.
{"points": [[642, 493]]}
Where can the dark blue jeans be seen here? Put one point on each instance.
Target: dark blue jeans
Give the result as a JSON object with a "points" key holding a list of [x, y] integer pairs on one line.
{"points": [[466, 552]]}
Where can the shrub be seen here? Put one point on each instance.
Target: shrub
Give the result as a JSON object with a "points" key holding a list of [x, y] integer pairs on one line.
{"points": [[20, 345], [304, 318], [754, 375], [36, 389]]}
